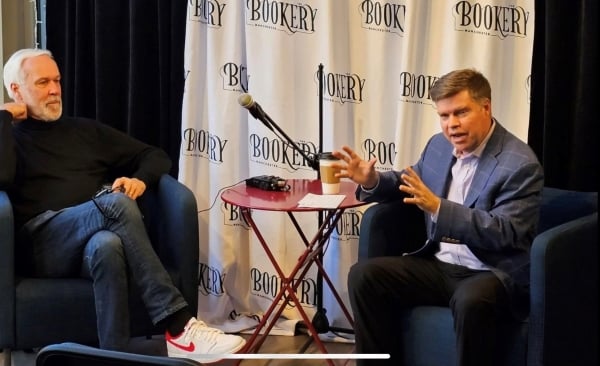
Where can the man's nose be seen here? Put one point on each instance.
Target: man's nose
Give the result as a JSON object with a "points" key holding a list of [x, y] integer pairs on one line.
{"points": [[55, 88], [453, 121]]}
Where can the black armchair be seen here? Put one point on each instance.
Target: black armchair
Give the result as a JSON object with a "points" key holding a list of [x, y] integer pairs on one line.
{"points": [[36, 312], [562, 326]]}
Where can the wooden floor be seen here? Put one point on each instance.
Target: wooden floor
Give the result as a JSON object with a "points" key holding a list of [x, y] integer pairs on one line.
{"points": [[286, 345], [279, 346]]}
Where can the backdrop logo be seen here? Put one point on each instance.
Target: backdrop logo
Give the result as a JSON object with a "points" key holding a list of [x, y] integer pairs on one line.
{"points": [[235, 315], [342, 88], [383, 16], [384, 152], [233, 216], [210, 281], [202, 143], [348, 227], [278, 153], [491, 20], [414, 88], [280, 15], [209, 12], [235, 77], [266, 285]]}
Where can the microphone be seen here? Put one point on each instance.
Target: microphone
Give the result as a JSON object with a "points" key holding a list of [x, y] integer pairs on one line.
{"points": [[246, 101]]}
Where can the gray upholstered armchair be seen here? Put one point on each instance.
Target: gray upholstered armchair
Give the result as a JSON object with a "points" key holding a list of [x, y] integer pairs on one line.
{"points": [[562, 326], [36, 312]]}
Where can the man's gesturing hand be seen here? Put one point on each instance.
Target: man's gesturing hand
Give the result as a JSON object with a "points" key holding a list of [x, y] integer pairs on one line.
{"points": [[358, 170], [420, 194]]}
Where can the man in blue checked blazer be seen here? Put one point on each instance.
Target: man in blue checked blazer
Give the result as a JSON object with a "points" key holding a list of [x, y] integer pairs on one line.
{"points": [[479, 188]]}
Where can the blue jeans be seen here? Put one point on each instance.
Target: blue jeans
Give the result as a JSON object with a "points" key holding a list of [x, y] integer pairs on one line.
{"points": [[105, 239]]}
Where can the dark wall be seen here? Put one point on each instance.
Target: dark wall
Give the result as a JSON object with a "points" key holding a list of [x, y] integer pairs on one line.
{"points": [[562, 127], [122, 63]]}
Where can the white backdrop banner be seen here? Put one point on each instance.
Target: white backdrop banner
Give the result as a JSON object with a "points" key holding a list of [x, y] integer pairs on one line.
{"points": [[379, 60]]}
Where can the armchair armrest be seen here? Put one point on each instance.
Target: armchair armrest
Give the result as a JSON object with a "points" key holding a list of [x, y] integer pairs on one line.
{"points": [[70, 354], [7, 271], [564, 294], [390, 228], [173, 226]]}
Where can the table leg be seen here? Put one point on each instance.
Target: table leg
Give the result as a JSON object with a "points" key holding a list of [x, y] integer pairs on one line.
{"points": [[327, 227], [289, 286], [285, 288]]}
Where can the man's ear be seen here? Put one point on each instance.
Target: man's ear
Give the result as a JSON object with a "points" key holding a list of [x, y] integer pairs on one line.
{"points": [[16, 92], [487, 104]]}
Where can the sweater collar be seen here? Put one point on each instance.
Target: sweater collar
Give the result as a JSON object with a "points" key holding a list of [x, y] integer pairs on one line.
{"points": [[36, 124]]}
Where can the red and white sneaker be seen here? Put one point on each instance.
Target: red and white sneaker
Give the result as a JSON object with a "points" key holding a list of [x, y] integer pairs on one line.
{"points": [[202, 343]]}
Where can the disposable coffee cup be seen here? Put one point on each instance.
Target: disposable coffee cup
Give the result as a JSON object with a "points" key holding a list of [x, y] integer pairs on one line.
{"points": [[330, 183]]}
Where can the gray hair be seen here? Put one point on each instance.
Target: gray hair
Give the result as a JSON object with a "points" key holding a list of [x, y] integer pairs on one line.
{"points": [[13, 72]]}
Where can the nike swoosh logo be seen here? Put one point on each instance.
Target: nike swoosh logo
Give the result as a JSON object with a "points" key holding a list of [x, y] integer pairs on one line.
{"points": [[189, 348]]}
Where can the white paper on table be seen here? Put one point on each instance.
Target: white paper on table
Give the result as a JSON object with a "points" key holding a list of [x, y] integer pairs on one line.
{"points": [[321, 200]]}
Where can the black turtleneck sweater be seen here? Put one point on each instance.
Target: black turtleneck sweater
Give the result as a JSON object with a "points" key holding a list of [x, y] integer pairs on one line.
{"points": [[53, 165]]}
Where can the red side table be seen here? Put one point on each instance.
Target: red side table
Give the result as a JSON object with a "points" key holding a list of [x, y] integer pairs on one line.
{"points": [[251, 198]]}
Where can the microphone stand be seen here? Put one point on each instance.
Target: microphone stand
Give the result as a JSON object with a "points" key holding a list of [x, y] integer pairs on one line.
{"points": [[313, 161], [320, 321]]}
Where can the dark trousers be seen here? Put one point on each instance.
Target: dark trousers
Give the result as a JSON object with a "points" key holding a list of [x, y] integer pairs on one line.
{"points": [[380, 287]]}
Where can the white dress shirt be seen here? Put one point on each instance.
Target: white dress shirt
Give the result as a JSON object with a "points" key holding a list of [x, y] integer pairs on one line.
{"points": [[463, 171]]}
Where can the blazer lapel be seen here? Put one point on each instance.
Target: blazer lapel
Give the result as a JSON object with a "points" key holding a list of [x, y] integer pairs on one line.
{"points": [[440, 186], [487, 164]]}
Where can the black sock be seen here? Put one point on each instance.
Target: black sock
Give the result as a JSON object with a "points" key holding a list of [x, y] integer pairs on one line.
{"points": [[177, 321]]}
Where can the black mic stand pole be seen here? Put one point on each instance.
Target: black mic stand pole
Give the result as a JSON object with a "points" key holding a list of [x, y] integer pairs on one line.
{"points": [[320, 321]]}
